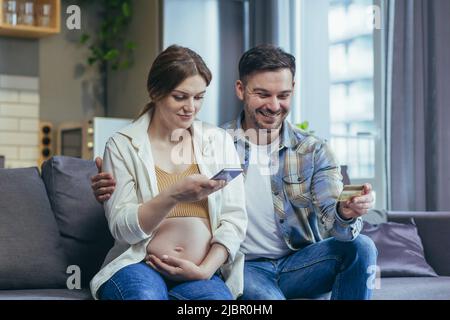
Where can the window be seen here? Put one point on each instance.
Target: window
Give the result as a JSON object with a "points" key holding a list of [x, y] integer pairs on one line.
{"points": [[352, 120], [340, 80], [355, 122]]}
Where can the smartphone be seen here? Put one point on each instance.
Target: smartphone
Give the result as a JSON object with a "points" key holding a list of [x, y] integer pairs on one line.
{"points": [[227, 174]]}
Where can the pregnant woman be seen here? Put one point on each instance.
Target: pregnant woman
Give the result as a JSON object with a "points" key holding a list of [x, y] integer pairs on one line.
{"points": [[165, 210]]}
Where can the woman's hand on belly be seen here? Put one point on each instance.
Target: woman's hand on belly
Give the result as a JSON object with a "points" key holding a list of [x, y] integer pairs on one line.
{"points": [[177, 269]]}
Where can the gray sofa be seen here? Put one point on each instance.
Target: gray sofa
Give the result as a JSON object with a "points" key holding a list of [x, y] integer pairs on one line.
{"points": [[434, 231], [53, 233], [50, 224]]}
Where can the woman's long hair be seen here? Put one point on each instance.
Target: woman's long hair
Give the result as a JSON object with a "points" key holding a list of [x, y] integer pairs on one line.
{"points": [[170, 68]]}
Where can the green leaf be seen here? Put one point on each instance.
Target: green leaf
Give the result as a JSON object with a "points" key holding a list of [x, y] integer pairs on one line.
{"points": [[84, 38], [109, 44], [125, 65], [126, 10], [92, 60], [131, 45], [115, 29], [111, 54], [97, 52], [304, 125]]}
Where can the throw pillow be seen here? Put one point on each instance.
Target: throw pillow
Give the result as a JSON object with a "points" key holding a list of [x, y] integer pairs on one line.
{"points": [[81, 219], [400, 250], [30, 253]]}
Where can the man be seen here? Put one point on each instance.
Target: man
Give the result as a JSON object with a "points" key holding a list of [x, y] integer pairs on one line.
{"points": [[292, 183]]}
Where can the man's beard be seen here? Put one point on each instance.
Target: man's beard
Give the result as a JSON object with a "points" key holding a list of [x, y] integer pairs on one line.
{"points": [[260, 125]]}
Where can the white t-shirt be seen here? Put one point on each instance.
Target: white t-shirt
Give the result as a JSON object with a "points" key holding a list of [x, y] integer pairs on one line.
{"points": [[263, 237]]}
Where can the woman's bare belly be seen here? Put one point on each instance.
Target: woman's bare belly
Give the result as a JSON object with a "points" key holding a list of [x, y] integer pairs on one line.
{"points": [[182, 237]]}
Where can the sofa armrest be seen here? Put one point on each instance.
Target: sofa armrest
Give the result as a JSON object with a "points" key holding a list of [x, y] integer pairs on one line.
{"points": [[434, 231], [408, 215]]}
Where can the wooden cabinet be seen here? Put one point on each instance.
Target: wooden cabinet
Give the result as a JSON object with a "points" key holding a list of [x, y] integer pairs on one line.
{"points": [[32, 31]]}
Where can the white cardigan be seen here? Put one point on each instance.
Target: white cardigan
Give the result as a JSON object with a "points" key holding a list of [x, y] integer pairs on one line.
{"points": [[129, 158]]}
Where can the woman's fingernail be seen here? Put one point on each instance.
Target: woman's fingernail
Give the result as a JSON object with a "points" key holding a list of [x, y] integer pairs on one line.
{"points": [[165, 257]]}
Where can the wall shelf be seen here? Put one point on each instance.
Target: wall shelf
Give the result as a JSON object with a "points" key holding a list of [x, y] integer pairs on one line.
{"points": [[25, 31]]}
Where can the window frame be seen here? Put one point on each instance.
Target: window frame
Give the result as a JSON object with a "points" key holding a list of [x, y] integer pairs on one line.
{"points": [[315, 86]]}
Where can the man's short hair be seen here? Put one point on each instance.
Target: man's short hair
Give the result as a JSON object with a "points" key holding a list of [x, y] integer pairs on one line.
{"points": [[265, 57]]}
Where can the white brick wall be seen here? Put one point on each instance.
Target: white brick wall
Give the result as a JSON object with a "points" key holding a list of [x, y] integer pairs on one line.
{"points": [[19, 139], [9, 124], [9, 95], [29, 97], [19, 120], [19, 110], [28, 153], [19, 164], [27, 125], [9, 152]]}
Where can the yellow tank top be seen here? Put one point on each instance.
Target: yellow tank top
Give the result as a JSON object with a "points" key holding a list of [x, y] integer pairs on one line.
{"points": [[185, 209]]}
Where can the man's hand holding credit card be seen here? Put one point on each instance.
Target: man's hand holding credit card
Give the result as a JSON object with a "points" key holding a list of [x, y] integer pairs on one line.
{"points": [[355, 200]]}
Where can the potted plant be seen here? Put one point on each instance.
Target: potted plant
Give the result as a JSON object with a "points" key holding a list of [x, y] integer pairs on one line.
{"points": [[305, 126], [109, 50]]}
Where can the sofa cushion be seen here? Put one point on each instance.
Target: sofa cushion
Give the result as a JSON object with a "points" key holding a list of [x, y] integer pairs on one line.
{"points": [[85, 235], [400, 250], [46, 294], [413, 288], [30, 252], [434, 231], [433, 227]]}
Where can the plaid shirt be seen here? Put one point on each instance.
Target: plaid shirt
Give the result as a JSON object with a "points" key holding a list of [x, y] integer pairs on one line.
{"points": [[306, 183]]}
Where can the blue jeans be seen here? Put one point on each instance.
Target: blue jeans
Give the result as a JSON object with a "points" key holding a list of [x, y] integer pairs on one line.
{"points": [[328, 265], [141, 282]]}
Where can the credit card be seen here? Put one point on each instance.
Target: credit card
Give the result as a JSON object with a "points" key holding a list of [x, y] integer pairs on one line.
{"points": [[351, 191]]}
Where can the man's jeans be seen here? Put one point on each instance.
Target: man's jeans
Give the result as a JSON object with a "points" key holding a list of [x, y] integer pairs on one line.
{"points": [[141, 282], [329, 265]]}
